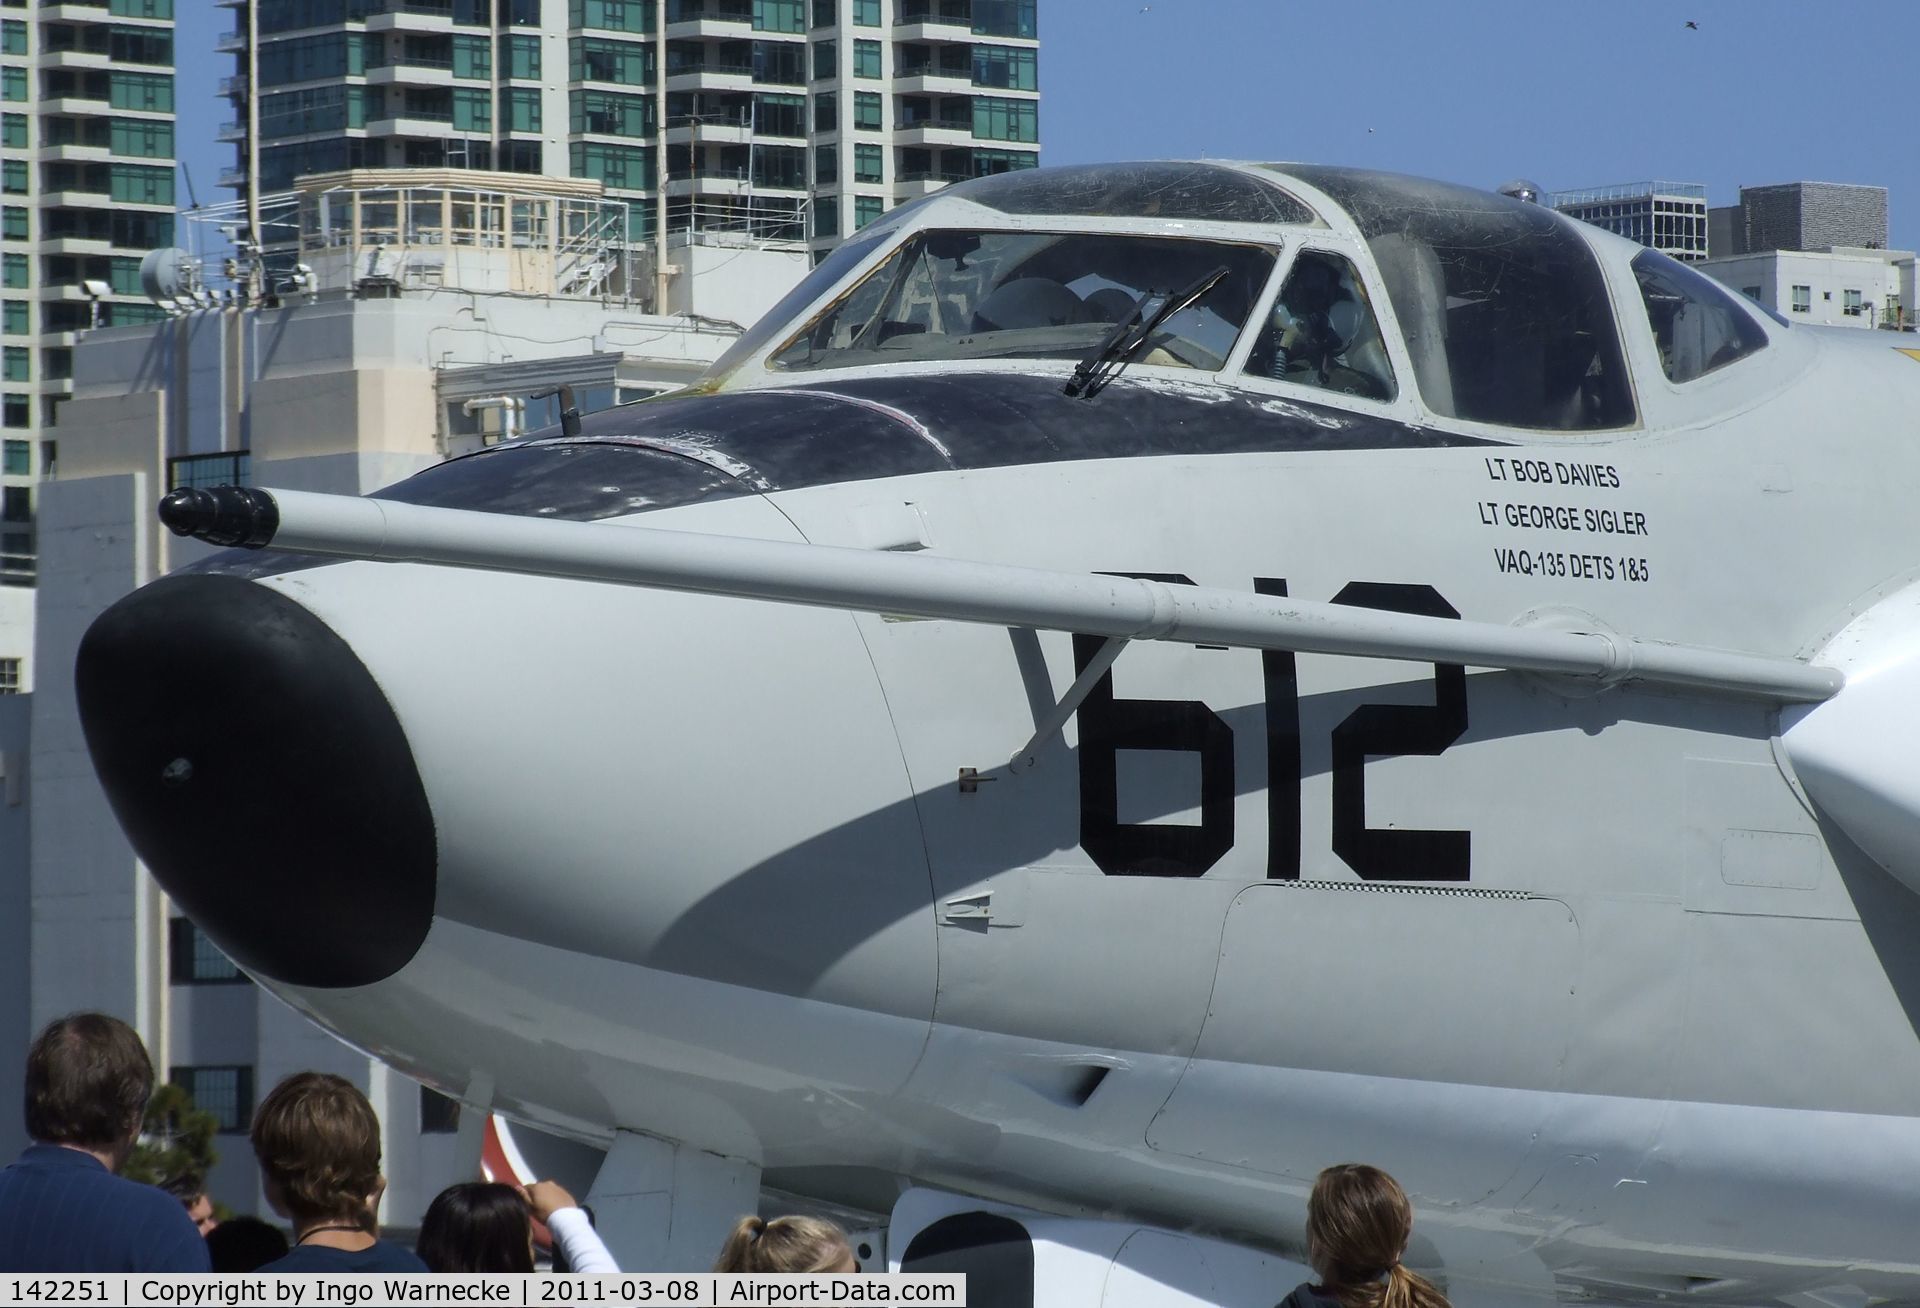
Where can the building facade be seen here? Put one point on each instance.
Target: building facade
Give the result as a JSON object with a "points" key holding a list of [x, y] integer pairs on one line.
{"points": [[788, 118], [1842, 287], [1670, 217], [1802, 216], [375, 365], [86, 189]]}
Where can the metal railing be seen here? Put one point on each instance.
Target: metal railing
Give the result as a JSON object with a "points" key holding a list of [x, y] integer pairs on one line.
{"points": [[1628, 191]]}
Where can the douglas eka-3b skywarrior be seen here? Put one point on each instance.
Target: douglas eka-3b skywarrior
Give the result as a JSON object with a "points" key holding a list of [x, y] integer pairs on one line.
{"points": [[1130, 685]]}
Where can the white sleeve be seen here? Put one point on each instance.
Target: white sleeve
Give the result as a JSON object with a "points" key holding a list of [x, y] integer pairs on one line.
{"points": [[580, 1242]]}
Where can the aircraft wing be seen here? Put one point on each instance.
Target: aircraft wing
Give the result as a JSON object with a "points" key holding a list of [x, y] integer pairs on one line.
{"points": [[928, 586]]}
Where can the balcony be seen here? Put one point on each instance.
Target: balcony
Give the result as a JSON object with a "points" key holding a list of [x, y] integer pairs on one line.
{"points": [[230, 43], [87, 60], [75, 152], [710, 181], [76, 245], [710, 77], [230, 132], [931, 79], [911, 186], [686, 18], [235, 85], [935, 131], [412, 72], [709, 129]]}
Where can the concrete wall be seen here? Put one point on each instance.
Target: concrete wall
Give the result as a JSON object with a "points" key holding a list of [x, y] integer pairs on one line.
{"points": [[16, 937], [1875, 274]]}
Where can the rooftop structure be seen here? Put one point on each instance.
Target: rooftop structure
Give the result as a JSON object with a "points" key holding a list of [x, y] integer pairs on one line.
{"points": [[1667, 216], [1803, 216]]}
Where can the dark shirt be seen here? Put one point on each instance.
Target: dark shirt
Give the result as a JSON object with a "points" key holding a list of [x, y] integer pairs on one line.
{"points": [[1309, 1295], [382, 1257], [63, 1211]]}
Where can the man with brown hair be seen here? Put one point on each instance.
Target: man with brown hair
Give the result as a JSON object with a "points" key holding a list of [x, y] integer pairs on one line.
{"points": [[62, 1209], [318, 1143]]}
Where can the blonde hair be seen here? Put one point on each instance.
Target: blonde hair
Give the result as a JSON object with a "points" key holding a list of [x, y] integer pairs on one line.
{"points": [[786, 1244], [1358, 1225]]}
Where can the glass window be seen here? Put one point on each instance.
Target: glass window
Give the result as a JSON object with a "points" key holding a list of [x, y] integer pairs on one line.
{"points": [[16, 502], [141, 138], [866, 59], [867, 208], [826, 59], [826, 216], [132, 184], [194, 960], [226, 1092], [13, 270], [826, 164], [613, 15], [472, 109], [523, 104], [866, 110], [13, 83], [1323, 332], [1014, 68], [152, 92], [16, 411], [607, 113], [16, 315], [598, 59], [472, 57], [13, 131], [1502, 304], [1850, 302], [779, 15], [866, 13], [626, 167], [523, 57], [1697, 326], [13, 176], [997, 119], [10, 668], [826, 112], [1803, 299], [14, 223], [825, 13], [19, 459], [976, 295], [13, 37], [779, 115], [780, 62], [867, 162], [1005, 18], [783, 166], [16, 363]]}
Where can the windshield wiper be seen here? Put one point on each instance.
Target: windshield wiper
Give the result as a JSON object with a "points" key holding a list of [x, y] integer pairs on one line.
{"points": [[1130, 335]]}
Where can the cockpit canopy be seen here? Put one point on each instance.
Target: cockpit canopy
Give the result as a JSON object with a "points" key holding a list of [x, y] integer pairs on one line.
{"points": [[1501, 307]]}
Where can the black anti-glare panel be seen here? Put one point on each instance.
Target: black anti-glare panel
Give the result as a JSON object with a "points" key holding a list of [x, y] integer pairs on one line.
{"points": [[1137, 190]]}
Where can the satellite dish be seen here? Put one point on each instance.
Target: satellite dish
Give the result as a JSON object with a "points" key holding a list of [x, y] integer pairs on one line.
{"points": [[166, 273]]}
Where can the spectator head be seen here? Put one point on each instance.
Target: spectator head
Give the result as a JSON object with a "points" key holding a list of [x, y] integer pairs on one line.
{"points": [[1358, 1224], [245, 1244], [318, 1143], [786, 1244], [88, 1082], [191, 1191], [477, 1226]]}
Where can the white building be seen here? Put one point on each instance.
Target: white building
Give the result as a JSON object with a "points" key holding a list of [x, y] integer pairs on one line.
{"points": [[1836, 287], [802, 117], [434, 310], [86, 188]]}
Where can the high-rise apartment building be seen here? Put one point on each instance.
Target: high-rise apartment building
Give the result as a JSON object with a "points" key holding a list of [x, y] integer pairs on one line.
{"points": [[86, 189], [786, 118]]}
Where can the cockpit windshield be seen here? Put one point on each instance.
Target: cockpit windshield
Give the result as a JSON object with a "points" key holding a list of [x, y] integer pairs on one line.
{"points": [[964, 294]]}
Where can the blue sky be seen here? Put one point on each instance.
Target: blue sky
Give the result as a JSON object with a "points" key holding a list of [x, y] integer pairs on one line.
{"points": [[1568, 93]]}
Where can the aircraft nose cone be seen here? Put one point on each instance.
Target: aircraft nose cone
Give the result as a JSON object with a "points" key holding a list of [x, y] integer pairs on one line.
{"points": [[262, 776]]}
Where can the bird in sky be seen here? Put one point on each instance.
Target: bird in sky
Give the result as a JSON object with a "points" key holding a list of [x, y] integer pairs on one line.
{"points": [[1692, 26]]}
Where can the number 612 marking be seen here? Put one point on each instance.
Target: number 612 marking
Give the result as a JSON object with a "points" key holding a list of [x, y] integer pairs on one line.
{"points": [[1109, 725]]}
